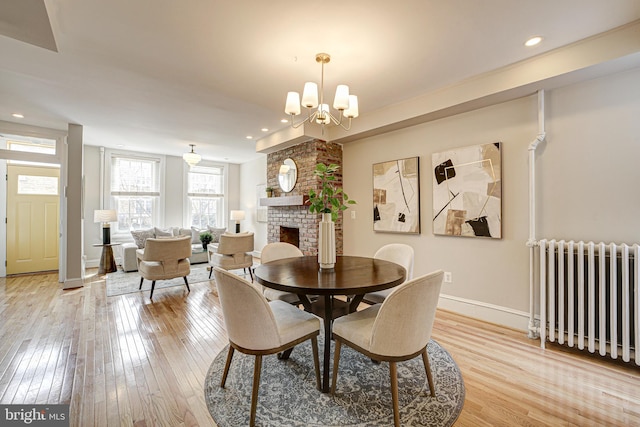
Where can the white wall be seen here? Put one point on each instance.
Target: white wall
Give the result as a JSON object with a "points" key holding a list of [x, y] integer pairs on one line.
{"points": [[587, 182], [589, 169], [253, 174]]}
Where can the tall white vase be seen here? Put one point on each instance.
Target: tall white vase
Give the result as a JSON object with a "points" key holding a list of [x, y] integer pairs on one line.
{"points": [[327, 242]]}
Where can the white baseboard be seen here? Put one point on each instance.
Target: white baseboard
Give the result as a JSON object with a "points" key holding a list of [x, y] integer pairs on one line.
{"points": [[504, 316], [73, 283]]}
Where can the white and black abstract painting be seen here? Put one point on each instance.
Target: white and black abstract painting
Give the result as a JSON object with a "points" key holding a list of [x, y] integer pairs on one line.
{"points": [[467, 191], [396, 196]]}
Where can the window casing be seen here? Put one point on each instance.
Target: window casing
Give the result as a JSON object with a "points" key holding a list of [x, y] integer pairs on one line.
{"points": [[135, 192], [205, 196]]}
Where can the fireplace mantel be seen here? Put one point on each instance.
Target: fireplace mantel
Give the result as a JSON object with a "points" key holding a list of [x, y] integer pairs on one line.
{"points": [[284, 201]]}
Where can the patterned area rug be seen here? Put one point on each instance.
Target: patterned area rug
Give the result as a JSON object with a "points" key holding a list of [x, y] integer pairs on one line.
{"points": [[288, 394], [119, 282]]}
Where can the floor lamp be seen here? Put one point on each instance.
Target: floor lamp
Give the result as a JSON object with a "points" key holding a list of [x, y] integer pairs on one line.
{"points": [[237, 216], [105, 217]]}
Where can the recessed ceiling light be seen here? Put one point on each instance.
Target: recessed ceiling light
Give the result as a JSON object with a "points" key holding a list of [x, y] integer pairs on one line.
{"points": [[18, 115], [264, 130], [249, 137], [533, 41], [284, 121]]}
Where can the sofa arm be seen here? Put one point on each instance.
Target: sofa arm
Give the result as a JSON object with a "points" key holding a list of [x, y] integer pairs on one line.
{"points": [[129, 259]]}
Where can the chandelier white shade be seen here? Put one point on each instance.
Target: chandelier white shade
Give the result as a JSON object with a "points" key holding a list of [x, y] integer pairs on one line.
{"points": [[192, 158], [317, 109]]}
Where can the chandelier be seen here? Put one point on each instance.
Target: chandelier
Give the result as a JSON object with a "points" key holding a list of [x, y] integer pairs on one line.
{"points": [[192, 158], [346, 104]]}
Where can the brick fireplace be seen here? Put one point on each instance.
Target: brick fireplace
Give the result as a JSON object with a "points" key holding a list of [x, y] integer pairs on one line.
{"points": [[296, 216]]}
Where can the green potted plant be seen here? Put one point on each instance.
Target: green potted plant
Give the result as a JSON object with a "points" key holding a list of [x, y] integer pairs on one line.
{"points": [[269, 191], [206, 238], [329, 201]]}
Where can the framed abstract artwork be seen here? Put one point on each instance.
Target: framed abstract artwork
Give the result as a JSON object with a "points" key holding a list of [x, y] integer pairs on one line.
{"points": [[396, 196], [467, 191]]}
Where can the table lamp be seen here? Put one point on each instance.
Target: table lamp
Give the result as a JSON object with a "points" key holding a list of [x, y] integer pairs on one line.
{"points": [[237, 216], [105, 217]]}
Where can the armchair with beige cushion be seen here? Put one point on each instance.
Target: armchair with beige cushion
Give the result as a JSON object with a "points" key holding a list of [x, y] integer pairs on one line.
{"points": [[257, 327], [232, 252], [275, 251], [402, 255], [399, 329], [164, 259]]}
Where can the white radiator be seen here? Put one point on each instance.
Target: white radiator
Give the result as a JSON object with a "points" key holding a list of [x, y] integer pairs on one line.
{"points": [[589, 297]]}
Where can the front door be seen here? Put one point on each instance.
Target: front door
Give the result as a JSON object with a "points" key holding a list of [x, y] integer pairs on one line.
{"points": [[33, 217]]}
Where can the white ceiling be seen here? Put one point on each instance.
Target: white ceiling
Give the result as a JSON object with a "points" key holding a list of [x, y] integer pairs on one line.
{"points": [[157, 75]]}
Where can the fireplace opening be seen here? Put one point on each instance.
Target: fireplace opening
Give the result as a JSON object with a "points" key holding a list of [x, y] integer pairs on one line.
{"points": [[290, 235]]}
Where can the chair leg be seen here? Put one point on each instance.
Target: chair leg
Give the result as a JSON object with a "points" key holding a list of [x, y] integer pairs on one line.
{"points": [[227, 365], [250, 272], [141, 280], [153, 286], [393, 372], [210, 271], [186, 283], [254, 392], [336, 363], [316, 360], [427, 368]]}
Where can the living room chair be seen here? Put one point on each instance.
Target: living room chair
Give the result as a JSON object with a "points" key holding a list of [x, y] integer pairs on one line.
{"points": [[399, 329], [164, 259], [400, 254], [258, 327], [233, 252], [275, 251]]}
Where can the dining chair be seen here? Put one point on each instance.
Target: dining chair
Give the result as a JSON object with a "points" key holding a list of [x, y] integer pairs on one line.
{"points": [[400, 254], [258, 327], [399, 329], [275, 251], [164, 259]]}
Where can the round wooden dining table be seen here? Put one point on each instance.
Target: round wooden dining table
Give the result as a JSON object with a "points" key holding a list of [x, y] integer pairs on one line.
{"points": [[351, 276]]}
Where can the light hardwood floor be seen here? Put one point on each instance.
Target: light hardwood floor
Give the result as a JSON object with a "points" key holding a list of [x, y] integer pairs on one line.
{"points": [[126, 361]]}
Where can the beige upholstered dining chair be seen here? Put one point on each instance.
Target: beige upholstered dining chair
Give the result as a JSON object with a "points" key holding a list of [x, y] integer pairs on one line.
{"points": [[258, 327], [232, 252], [398, 329], [164, 259], [275, 251], [400, 254]]}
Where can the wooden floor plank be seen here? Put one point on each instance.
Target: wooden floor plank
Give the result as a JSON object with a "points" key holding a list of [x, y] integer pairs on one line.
{"points": [[127, 361]]}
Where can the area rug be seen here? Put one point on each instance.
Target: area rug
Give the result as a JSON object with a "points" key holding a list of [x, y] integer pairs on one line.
{"points": [[119, 282], [288, 394]]}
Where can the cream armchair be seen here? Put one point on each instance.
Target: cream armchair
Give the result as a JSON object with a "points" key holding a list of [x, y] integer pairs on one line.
{"points": [[233, 252], [164, 259]]}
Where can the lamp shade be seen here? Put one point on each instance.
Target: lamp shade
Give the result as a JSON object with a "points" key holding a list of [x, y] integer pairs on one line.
{"points": [[293, 103], [341, 100], [107, 215], [237, 215], [352, 111], [310, 95], [192, 158]]}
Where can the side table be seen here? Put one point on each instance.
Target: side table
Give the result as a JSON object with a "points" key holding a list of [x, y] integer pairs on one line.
{"points": [[107, 261]]}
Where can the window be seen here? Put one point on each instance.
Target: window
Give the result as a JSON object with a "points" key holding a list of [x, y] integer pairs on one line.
{"points": [[30, 145], [205, 196], [135, 192]]}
